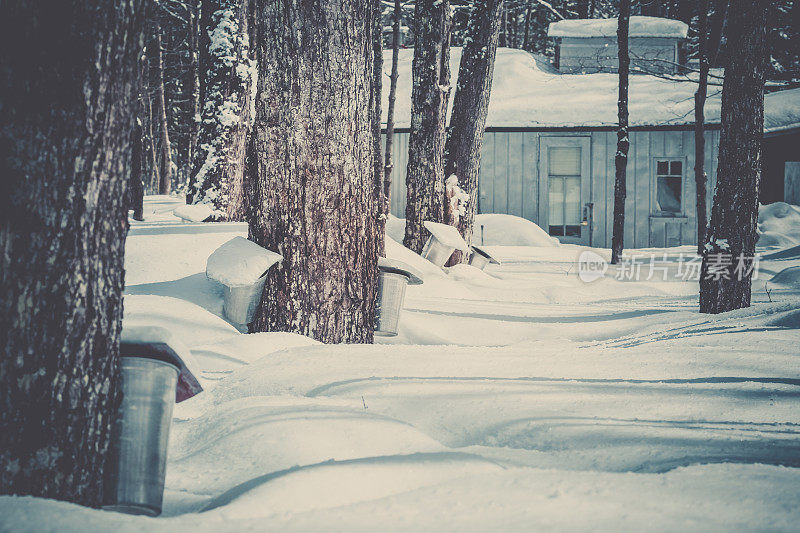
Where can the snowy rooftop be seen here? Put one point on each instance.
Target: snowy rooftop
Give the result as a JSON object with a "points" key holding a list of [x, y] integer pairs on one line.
{"points": [[639, 27], [528, 92]]}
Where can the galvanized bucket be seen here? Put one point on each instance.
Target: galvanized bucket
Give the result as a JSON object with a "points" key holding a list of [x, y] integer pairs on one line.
{"points": [[393, 278], [478, 260], [391, 293], [436, 252], [136, 465], [240, 303]]}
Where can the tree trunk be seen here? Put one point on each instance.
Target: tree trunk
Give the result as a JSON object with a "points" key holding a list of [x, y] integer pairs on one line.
{"points": [[526, 38], [136, 187], [716, 29], [230, 79], [700, 178], [734, 216], [470, 107], [165, 159], [621, 157], [429, 94], [377, 88], [388, 167], [62, 236], [311, 172], [194, 89]]}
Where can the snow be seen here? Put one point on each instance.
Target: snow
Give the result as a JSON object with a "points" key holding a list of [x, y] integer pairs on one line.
{"points": [[782, 110], [194, 212], [528, 92], [240, 262], [640, 26], [393, 265], [493, 229], [447, 235], [778, 225], [515, 398]]}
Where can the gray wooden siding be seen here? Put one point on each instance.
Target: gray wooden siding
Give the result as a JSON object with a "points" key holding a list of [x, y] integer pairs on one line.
{"points": [[509, 181], [596, 53]]}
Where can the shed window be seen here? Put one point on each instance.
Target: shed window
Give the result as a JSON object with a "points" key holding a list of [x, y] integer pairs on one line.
{"points": [[669, 186]]}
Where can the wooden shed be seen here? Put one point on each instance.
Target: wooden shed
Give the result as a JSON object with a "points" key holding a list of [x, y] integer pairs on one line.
{"points": [[590, 45], [548, 152]]}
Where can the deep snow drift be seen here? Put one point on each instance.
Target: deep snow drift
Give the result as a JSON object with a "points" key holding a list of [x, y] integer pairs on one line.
{"points": [[516, 398]]}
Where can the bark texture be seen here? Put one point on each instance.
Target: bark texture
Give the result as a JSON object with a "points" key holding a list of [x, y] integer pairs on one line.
{"points": [[429, 94], [230, 79], [470, 107], [136, 187], [388, 166], [377, 88], [62, 235], [734, 216], [311, 168], [700, 178], [623, 142], [165, 152]]}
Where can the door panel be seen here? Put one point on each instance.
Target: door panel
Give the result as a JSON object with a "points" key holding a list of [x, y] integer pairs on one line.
{"points": [[565, 183]]}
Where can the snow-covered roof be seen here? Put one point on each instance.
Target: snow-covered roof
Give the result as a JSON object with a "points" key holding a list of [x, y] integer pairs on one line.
{"points": [[529, 93], [640, 26], [782, 111]]}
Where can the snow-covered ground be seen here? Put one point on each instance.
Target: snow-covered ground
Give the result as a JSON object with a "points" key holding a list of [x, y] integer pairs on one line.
{"points": [[519, 398]]}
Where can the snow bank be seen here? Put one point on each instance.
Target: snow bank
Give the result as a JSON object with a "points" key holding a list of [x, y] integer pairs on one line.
{"points": [[194, 212], [789, 277], [509, 230], [778, 225], [640, 26], [188, 323], [240, 262], [396, 228], [782, 110]]}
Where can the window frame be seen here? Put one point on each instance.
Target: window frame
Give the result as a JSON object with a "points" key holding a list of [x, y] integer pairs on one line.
{"points": [[654, 175]]}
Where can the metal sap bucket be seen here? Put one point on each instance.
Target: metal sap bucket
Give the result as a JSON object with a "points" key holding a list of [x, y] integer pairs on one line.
{"points": [[480, 258], [393, 278], [136, 465], [443, 241], [240, 303], [436, 252]]}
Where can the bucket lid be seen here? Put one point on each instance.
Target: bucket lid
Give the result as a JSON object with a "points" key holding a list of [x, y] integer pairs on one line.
{"points": [[155, 342], [480, 251], [447, 235], [159, 351], [399, 267]]}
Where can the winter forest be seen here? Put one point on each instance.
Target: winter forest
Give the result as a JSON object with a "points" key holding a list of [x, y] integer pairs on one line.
{"points": [[482, 265]]}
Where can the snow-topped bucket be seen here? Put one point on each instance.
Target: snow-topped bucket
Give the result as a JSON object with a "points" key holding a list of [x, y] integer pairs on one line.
{"points": [[444, 240], [393, 277], [479, 258], [136, 465], [241, 266], [194, 213]]}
